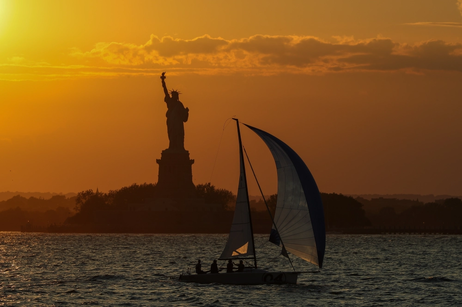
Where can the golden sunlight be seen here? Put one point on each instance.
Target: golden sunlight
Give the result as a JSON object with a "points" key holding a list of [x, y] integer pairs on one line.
{"points": [[3, 15]]}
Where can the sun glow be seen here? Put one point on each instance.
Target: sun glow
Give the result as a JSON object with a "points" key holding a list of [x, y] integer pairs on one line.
{"points": [[3, 15]]}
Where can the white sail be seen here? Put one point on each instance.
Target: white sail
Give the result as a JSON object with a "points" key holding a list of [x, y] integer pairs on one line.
{"points": [[299, 216], [240, 240]]}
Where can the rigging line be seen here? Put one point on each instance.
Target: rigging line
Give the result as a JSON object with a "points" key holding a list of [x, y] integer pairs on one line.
{"points": [[266, 204], [294, 232], [219, 145], [285, 218], [297, 215]]}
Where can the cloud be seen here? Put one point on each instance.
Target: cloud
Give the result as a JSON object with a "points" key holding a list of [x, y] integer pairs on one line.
{"points": [[426, 56], [259, 54], [270, 54], [441, 23], [307, 51], [161, 51], [16, 60], [437, 24]]}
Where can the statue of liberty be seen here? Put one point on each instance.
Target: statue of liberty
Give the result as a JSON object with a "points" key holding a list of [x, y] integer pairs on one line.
{"points": [[177, 114]]}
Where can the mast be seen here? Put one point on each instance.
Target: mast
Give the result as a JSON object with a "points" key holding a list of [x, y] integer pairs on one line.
{"points": [[241, 158]]}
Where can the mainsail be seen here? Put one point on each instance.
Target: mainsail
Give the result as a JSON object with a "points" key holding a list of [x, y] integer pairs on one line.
{"points": [[299, 216], [240, 241]]}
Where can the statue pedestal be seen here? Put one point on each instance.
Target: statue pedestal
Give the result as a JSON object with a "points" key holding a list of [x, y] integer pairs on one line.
{"points": [[175, 175]]}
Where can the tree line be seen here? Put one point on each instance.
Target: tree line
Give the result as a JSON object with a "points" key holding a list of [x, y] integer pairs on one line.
{"points": [[440, 214], [341, 211], [19, 211]]}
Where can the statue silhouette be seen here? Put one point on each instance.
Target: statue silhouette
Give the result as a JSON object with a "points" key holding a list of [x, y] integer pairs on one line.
{"points": [[177, 114]]}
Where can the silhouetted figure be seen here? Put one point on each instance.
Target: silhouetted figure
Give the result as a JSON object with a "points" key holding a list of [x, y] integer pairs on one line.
{"points": [[240, 266], [229, 266], [214, 267], [199, 268], [177, 114]]}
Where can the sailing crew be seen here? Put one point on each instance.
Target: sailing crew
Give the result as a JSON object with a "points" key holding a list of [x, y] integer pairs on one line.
{"points": [[199, 267], [240, 266], [214, 267], [229, 266]]}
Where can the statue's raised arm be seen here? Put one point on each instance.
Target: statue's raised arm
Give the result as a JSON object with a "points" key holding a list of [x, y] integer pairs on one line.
{"points": [[164, 86]]}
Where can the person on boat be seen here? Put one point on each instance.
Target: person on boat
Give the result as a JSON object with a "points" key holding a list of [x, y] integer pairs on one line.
{"points": [[199, 267], [214, 267], [177, 114], [229, 266], [240, 266]]}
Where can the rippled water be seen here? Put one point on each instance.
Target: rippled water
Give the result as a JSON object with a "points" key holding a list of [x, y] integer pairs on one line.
{"points": [[143, 270]]}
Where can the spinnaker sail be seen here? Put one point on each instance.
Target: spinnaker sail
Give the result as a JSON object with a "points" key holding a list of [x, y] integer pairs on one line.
{"points": [[299, 215]]}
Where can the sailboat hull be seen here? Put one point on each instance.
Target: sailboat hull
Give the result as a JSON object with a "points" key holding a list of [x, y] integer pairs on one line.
{"points": [[254, 277]]}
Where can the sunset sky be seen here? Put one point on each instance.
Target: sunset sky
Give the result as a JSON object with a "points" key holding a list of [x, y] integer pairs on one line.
{"points": [[369, 93]]}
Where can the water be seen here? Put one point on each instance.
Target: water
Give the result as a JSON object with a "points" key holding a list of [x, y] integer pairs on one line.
{"points": [[143, 270]]}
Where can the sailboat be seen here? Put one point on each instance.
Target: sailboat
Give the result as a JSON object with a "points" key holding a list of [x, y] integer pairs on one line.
{"points": [[298, 223]]}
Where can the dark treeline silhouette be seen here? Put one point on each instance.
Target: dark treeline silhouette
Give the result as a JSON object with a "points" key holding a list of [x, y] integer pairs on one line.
{"points": [[93, 209], [374, 205], [37, 212], [41, 195], [441, 214], [212, 195], [138, 209], [259, 204], [88, 202], [37, 204], [123, 211], [426, 198], [342, 211]]}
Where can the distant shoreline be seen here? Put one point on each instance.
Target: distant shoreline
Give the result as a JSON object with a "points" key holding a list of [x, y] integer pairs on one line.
{"points": [[421, 197], [345, 231]]}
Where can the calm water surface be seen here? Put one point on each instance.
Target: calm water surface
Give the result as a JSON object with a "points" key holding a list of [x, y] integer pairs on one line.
{"points": [[143, 270]]}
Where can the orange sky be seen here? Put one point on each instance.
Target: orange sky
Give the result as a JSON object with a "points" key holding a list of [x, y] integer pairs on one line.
{"points": [[367, 92]]}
